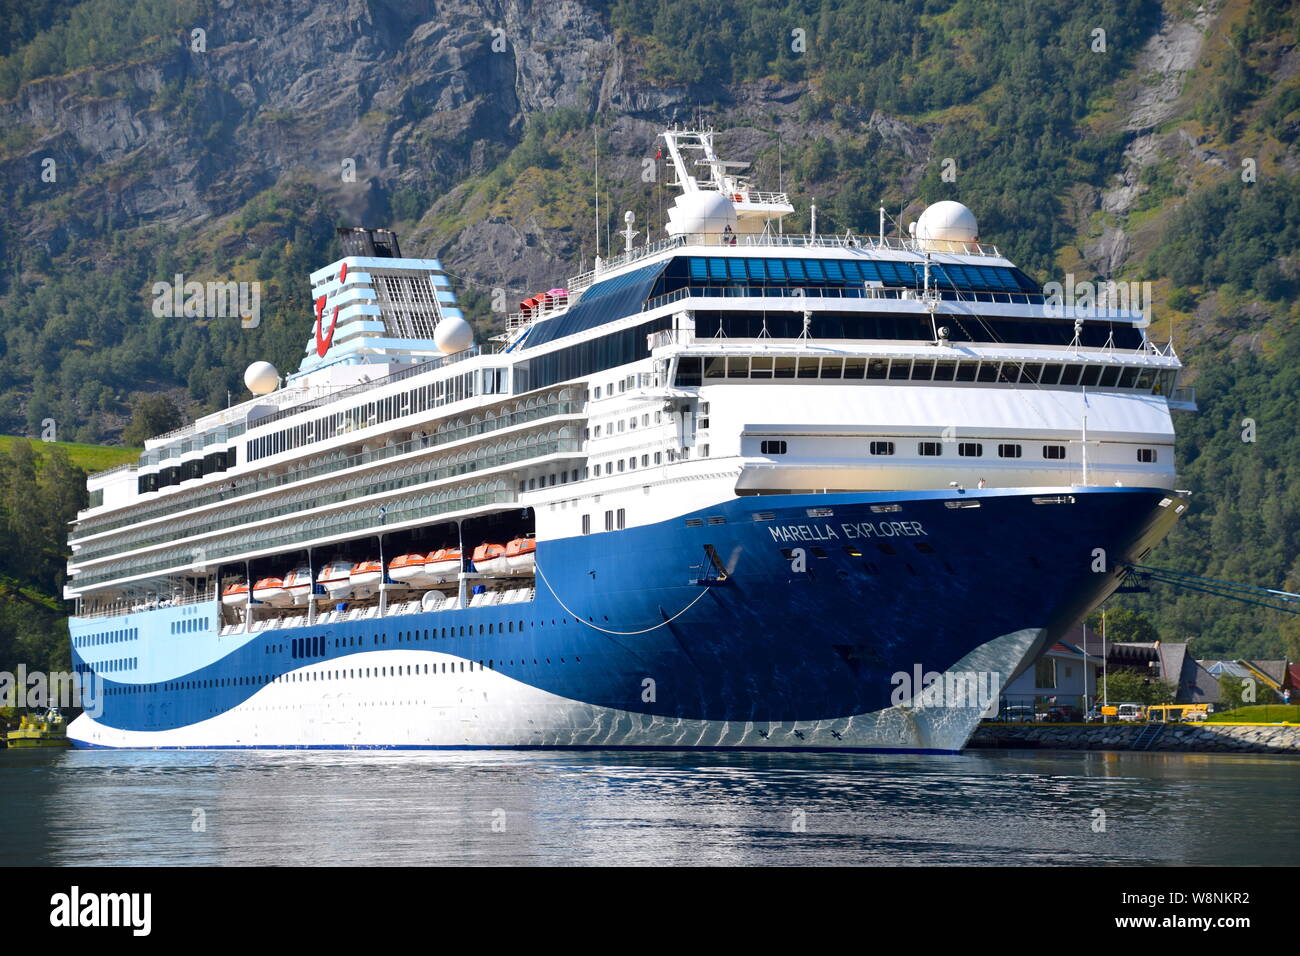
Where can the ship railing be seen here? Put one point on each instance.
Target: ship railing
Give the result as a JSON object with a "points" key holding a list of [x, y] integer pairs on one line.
{"points": [[142, 604], [376, 484], [125, 466], [761, 198], [395, 608], [657, 340], [898, 293], [782, 240], [536, 413], [368, 519], [419, 368], [235, 414], [552, 306]]}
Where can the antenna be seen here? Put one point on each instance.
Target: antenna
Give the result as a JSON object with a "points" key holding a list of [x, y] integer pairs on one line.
{"points": [[780, 181], [629, 233], [595, 135]]}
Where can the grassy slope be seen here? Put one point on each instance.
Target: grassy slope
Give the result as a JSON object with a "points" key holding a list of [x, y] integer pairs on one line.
{"points": [[89, 457]]}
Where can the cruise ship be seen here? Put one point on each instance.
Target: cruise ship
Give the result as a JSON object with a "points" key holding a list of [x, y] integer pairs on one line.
{"points": [[732, 488]]}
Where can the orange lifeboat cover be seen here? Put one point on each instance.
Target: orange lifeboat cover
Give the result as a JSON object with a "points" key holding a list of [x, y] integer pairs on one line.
{"points": [[521, 546], [406, 561], [487, 551]]}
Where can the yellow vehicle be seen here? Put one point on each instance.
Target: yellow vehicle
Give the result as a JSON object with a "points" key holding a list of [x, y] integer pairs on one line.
{"points": [[46, 729], [1187, 713]]}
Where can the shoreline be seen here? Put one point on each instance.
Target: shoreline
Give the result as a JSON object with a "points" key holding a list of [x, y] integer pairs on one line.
{"points": [[1171, 737]]}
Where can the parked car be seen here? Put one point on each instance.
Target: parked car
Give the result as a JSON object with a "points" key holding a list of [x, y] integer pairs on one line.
{"points": [[1018, 714], [1061, 715], [1131, 713]]}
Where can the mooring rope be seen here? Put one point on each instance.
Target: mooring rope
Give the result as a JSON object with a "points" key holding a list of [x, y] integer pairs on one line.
{"points": [[605, 630]]}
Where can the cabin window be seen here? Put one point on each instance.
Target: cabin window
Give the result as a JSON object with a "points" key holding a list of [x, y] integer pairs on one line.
{"points": [[773, 448], [882, 448], [929, 448], [1054, 452], [1147, 456], [586, 524], [622, 518], [970, 449], [1008, 451]]}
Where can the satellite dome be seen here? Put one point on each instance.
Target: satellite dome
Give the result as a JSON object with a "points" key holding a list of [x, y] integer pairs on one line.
{"points": [[701, 212], [453, 334], [947, 222], [261, 378]]}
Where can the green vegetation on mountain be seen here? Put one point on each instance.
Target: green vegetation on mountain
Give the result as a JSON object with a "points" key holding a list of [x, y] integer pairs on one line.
{"points": [[1078, 149], [41, 490]]}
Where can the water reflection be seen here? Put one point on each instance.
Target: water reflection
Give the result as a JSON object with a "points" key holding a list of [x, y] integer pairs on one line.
{"points": [[662, 809]]}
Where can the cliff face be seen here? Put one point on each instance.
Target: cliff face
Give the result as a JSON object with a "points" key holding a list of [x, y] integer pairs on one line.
{"points": [[413, 113], [409, 95], [299, 87], [471, 127]]}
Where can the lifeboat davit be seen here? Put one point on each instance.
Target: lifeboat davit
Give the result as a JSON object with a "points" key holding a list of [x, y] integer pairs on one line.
{"points": [[407, 569], [271, 591], [234, 594], [336, 579], [491, 558], [442, 566], [521, 554], [365, 577], [298, 583]]}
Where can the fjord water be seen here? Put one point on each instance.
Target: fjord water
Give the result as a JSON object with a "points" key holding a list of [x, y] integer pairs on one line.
{"points": [[658, 809]]}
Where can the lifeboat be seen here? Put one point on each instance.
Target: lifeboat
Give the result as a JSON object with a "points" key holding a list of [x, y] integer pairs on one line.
{"points": [[521, 555], [336, 579], [442, 566], [366, 577], [407, 569], [298, 583], [235, 594], [271, 591], [490, 558]]}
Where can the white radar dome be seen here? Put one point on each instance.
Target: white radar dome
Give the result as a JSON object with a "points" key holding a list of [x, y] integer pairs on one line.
{"points": [[945, 223], [453, 334], [702, 212], [261, 378]]}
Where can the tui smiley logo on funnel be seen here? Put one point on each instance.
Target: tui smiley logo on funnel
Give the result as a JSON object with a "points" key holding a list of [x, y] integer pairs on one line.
{"points": [[323, 344]]}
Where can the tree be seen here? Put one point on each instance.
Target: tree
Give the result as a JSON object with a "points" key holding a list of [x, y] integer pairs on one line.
{"points": [[152, 415], [1130, 685], [1124, 626]]}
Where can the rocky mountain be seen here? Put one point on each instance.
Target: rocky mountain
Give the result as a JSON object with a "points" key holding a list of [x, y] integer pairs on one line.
{"points": [[225, 139]]}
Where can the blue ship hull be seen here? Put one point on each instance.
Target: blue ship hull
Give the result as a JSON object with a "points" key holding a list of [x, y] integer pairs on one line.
{"points": [[760, 616]]}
